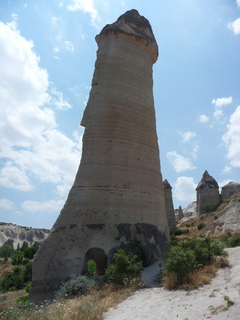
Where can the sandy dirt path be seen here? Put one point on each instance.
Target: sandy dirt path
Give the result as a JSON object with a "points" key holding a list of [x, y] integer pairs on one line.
{"points": [[206, 302]]}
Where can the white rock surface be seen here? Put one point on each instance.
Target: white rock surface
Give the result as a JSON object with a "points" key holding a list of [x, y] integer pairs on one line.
{"points": [[13, 234]]}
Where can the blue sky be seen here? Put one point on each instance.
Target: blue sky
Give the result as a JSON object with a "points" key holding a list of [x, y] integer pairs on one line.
{"points": [[47, 56]]}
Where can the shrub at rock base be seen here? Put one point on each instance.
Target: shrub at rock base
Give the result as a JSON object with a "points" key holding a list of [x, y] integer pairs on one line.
{"points": [[189, 256], [76, 285], [126, 267]]}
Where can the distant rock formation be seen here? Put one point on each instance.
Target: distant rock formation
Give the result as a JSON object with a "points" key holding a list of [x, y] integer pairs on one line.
{"points": [[231, 215], [229, 189], [169, 205], [13, 235], [190, 210], [118, 194], [179, 215], [208, 196]]}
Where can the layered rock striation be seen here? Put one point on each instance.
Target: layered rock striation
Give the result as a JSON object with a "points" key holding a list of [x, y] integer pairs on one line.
{"points": [[117, 195], [208, 196], [169, 205]]}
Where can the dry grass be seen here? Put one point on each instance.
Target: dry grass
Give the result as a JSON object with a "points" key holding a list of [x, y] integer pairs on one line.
{"points": [[89, 307], [8, 299], [5, 267], [195, 279]]}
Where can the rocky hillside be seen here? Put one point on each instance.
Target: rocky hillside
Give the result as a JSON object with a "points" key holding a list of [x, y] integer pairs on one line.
{"points": [[223, 221], [13, 234]]}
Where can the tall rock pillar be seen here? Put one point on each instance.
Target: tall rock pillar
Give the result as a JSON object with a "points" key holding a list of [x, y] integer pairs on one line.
{"points": [[208, 196], [117, 195], [169, 205]]}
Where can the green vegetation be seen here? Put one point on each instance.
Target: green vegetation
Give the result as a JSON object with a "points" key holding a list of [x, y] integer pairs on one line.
{"points": [[18, 279], [92, 267], [76, 285], [201, 226], [178, 232], [232, 241], [126, 267], [209, 208], [190, 255]]}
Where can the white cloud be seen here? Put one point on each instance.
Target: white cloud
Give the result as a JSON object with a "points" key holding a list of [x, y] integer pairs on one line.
{"points": [[218, 113], [238, 3], [232, 139], [187, 135], [54, 20], [6, 204], [31, 146], [184, 189], [56, 49], [59, 102], [227, 169], [179, 162], [87, 6], [235, 26], [219, 104], [194, 153], [69, 45], [47, 206], [203, 118], [12, 177]]}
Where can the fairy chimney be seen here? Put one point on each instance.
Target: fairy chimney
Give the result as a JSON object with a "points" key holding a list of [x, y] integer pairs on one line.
{"points": [[208, 196], [229, 189], [169, 205], [117, 195], [180, 213]]}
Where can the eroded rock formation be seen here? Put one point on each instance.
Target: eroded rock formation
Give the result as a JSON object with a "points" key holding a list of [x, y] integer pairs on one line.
{"points": [[179, 214], [229, 189], [117, 195], [208, 196], [169, 205], [15, 235]]}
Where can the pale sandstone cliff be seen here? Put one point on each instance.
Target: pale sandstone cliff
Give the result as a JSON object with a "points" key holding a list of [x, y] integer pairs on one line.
{"points": [[117, 195]]}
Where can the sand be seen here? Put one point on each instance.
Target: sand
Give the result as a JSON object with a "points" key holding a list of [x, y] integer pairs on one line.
{"points": [[206, 302]]}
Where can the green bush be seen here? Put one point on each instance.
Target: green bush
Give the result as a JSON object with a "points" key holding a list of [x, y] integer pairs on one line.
{"points": [[92, 267], [17, 257], [29, 253], [23, 299], [180, 261], [11, 282], [190, 255], [201, 226], [233, 241], [6, 251], [27, 272], [177, 232], [76, 285], [126, 266], [18, 279], [209, 208], [132, 247]]}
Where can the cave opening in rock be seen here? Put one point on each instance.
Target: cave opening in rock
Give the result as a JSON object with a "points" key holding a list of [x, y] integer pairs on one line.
{"points": [[98, 255]]}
